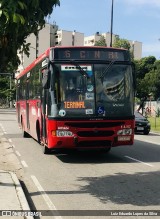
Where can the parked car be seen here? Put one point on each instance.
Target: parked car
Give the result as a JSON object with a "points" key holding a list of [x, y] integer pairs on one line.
{"points": [[142, 125]]}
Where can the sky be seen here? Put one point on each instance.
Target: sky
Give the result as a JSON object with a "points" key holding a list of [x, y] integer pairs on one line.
{"points": [[136, 20]]}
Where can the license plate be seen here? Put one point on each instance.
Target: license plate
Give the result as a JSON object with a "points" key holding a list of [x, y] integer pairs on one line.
{"points": [[124, 138], [140, 128]]}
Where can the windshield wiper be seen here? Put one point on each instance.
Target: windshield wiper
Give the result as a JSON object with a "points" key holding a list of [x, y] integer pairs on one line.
{"points": [[82, 71], [106, 69]]}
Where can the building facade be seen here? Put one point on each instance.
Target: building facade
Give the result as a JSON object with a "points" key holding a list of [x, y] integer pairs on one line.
{"points": [[39, 43], [47, 37], [136, 46], [51, 36], [69, 38]]}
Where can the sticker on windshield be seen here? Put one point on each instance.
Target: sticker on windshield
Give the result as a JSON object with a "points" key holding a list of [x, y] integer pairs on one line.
{"points": [[89, 96], [100, 110], [62, 112], [89, 111], [90, 87]]}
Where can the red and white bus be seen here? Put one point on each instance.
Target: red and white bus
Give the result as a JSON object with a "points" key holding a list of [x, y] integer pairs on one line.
{"points": [[78, 98]]}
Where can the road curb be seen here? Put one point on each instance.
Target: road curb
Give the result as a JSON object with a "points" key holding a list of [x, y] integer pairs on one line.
{"points": [[20, 193]]}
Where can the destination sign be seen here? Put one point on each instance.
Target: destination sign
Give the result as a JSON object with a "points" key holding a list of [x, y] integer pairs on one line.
{"points": [[109, 54]]}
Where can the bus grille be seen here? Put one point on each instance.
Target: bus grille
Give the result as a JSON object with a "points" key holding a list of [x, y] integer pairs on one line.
{"points": [[95, 133]]}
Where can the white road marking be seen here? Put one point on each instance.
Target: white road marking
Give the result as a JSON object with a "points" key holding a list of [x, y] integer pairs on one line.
{"points": [[19, 155], [45, 196], [2, 128], [139, 161], [24, 163], [152, 142], [10, 140], [148, 141]]}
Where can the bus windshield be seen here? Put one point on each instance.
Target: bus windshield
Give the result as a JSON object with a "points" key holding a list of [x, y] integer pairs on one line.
{"points": [[92, 90]]}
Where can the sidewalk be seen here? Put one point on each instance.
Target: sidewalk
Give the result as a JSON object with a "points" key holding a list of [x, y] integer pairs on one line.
{"points": [[12, 199], [13, 202]]}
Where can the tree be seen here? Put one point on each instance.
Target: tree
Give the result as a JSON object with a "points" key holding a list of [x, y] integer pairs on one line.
{"points": [[20, 18], [101, 42], [157, 79], [144, 66], [121, 43], [7, 90], [148, 78]]}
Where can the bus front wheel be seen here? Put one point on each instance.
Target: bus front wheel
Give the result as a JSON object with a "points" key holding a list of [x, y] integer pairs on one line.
{"points": [[38, 133], [46, 150], [24, 133]]}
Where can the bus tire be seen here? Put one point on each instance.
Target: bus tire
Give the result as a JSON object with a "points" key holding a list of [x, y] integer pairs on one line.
{"points": [[38, 133], [46, 150], [24, 133]]}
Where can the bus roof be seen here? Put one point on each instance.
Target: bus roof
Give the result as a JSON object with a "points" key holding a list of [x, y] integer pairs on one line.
{"points": [[47, 52]]}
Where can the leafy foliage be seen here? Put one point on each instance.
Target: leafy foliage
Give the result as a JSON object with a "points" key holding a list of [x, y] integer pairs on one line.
{"points": [[7, 90], [146, 76], [101, 42], [121, 43], [20, 18]]}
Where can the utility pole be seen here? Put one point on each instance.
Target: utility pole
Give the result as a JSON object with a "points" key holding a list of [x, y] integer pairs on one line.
{"points": [[111, 23], [37, 41]]}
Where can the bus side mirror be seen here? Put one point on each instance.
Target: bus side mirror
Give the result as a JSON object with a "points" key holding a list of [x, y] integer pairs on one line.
{"points": [[46, 79]]}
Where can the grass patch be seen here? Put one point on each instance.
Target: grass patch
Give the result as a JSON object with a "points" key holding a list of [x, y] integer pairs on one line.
{"points": [[155, 123]]}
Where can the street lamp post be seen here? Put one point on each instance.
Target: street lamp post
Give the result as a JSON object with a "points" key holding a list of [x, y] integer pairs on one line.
{"points": [[111, 23]]}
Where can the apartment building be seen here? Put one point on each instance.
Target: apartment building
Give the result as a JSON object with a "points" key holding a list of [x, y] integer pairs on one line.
{"points": [[69, 38], [50, 35], [47, 37], [38, 44], [91, 40], [135, 45]]}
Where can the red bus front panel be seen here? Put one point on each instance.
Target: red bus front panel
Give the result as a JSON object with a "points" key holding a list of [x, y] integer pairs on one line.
{"points": [[89, 134]]}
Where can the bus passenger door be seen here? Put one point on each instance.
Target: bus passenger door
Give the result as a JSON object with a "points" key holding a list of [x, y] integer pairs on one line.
{"points": [[45, 84], [44, 102]]}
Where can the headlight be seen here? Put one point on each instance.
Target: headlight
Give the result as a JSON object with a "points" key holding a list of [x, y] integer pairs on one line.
{"points": [[124, 132], [64, 133]]}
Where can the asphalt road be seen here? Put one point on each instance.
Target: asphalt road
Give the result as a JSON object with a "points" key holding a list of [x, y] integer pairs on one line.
{"points": [[126, 179]]}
